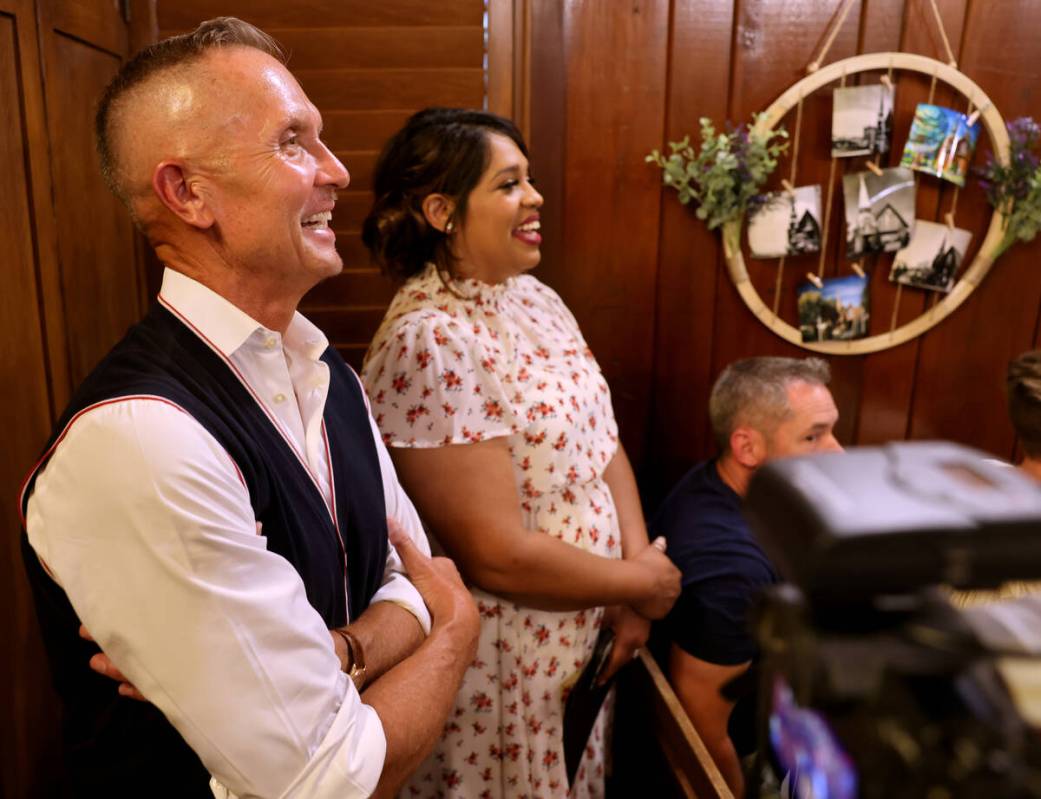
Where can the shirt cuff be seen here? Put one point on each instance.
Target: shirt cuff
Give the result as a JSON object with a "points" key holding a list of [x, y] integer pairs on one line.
{"points": [[400, 591]]}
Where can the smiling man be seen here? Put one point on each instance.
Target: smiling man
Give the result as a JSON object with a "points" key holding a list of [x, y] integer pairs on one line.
{"points": [[214, 502], [760, 409]]}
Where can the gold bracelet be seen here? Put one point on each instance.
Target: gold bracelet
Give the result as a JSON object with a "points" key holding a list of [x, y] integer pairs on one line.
{"points": [[355, 667]]}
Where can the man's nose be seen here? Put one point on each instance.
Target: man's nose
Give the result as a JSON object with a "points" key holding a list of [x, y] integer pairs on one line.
{"points": [[831, 444], [331, 169]]}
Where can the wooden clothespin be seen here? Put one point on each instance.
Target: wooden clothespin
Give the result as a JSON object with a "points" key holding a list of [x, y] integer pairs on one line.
{"points": [[815, 280], [975, 115], [949, 219], [787, 186], [857, 268], [873, 167]]}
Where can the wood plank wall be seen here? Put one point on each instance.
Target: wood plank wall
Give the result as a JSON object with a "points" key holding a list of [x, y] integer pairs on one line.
{"points": [[367, 66], [647, 281]]}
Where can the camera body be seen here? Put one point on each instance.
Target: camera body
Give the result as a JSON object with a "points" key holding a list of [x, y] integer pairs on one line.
{"points": [[872, 683]]}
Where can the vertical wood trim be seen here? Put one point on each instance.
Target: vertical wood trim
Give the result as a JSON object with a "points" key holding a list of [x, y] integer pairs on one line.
{"points": [[144, 30], [522, 67], [500, 55], [48, 270], [144, 24]]}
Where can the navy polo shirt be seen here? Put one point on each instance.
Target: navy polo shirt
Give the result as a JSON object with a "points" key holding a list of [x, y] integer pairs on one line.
{"points": [[723, 568]]}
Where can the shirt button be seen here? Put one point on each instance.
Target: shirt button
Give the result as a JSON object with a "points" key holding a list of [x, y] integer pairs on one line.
{"points": [[280, 398], [270, 342]]}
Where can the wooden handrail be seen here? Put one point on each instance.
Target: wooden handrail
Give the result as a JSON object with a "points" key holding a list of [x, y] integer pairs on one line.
{"points": [[653, 711]]}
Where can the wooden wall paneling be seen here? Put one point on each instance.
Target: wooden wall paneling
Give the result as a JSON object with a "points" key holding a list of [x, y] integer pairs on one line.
{"points": [[773, 44], [181, 15], [96, 247], [374, 89], [28, 706], [502, 37], [962, 365], [616, 108], [889, 376], [439, 47], [547, 122], [689, 254]]}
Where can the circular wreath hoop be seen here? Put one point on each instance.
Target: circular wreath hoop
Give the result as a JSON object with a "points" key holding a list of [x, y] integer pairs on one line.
{"points": [[971, 277]]}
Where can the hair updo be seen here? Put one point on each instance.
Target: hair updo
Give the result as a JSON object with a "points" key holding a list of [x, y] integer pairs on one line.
{"points": [[439, 151]]}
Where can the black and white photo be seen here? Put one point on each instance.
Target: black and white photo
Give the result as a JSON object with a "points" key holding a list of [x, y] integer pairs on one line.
{"points": [[932, 257], [861, 121], [879, 211], [786, 223]]}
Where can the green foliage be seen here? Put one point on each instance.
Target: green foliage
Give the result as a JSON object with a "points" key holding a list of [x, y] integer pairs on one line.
{"points": [[1015, 188], [1025, 220], [725, 174]]}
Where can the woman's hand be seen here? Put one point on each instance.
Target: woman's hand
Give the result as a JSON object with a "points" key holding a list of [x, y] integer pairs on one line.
{"points": [[631, 631], [663, 581]]}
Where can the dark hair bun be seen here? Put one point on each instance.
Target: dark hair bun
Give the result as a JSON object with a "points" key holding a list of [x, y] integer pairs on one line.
{"points": [[438, 151]]}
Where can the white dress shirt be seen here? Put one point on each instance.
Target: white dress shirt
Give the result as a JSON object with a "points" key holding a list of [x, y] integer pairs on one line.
{"points": [[144, 520]]}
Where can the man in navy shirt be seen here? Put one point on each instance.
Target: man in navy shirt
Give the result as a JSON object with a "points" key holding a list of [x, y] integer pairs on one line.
{"points": [[760, 408]]}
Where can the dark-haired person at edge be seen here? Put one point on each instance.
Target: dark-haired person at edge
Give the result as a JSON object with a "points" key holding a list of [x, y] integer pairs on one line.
{"points": [[214, 503], [1023, 388], [501, 427], [760, 409]]}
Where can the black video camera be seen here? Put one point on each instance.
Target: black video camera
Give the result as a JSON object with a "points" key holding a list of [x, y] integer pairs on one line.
{"points": [[872, 682]]}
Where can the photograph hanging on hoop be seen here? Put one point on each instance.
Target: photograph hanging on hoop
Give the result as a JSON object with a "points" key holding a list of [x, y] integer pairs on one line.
{"points": [[879, 211], [941, 143], [786, 223], [861, 121], [932, 257], [837, 310]]}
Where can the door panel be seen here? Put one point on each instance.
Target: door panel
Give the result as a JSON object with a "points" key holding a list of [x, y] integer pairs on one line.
{"points": [[28, 707], [84, 44]]}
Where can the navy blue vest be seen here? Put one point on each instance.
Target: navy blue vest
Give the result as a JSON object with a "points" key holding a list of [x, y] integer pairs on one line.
{"points": [[112, 741]]}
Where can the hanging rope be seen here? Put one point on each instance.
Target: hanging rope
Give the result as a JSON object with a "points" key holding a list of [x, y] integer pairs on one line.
{"points": [[943, 35], [896, 307], [790, 188], [827, 204], [814, 65]]}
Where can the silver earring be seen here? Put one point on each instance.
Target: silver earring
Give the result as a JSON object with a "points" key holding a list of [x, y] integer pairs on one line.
{"points": [[449, 228]]}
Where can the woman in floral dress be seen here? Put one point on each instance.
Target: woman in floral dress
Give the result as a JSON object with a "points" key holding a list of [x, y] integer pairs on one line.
{"points": [[500, 425]]}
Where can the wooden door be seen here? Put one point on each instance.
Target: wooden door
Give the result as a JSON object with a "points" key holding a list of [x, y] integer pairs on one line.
{"points": [[97, 291], [28, 709], [70, 288]]}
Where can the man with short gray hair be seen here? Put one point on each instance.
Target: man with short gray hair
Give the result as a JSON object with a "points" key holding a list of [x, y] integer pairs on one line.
{"points": [[760, 409], [214, 504]]}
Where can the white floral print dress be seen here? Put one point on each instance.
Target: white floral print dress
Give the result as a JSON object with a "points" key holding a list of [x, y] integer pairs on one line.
{"points": [[507, 360]]}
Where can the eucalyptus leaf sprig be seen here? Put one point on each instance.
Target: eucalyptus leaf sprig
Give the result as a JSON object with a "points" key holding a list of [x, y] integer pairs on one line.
{"points": [[723, 178], [1015, 188]]}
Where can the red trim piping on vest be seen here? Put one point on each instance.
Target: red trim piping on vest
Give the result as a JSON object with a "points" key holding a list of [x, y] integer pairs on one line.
{"points": [[336, 520], [256, 398], [330, 504], [76, 417]]}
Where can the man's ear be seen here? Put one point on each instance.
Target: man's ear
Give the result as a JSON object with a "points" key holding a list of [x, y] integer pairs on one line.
{"points": [[182, 194], [748, 447], [438, 210]]}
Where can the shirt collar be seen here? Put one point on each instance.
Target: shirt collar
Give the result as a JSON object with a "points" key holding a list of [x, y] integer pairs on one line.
{"points": [[226, 326]]}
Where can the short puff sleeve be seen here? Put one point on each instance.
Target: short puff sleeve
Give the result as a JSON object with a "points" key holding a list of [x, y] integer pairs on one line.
{"points": [[434, 381]]}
